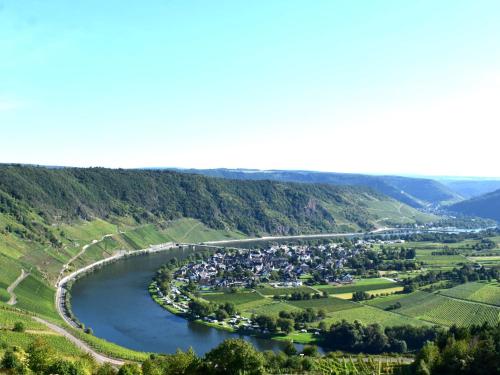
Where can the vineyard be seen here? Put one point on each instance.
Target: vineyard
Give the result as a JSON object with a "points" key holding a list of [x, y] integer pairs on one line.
{"points": [[451, 311], [371, 315], [478, 291], [442, 310]]}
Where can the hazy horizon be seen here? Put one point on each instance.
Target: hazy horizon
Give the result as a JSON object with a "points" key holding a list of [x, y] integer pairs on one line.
{"points": [[382, 87]]}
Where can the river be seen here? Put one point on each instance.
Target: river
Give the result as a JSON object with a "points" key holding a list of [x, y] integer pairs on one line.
{"points": [[115, 303]]}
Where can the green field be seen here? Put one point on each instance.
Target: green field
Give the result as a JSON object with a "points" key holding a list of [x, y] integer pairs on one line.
{"points": [[478, 292], [438, 309], [270, 291], [394, 212], [364, 285], [371, 315], [9, 316], [34, 295], [237, 299], [442, 261], [330, 304]]}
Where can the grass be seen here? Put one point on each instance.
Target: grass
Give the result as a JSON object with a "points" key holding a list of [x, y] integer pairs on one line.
{"points": [[451, 311], [271, 308], [438, 309], [406, 300], [191, 230], [442, 261], [237, 299], [330, 304], [477, 292], [108, 348], [270, 291], [10, 316], [394, 212], [363, 285], [60, 344], [36, 296], [369, 315]]}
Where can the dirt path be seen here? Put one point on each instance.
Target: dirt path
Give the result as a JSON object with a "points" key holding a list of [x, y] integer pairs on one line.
{"points": [[80, 344], [13, 299]]}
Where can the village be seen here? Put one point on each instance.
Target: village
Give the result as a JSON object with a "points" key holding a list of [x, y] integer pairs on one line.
{"points": [[288, 269], [277, 265]]}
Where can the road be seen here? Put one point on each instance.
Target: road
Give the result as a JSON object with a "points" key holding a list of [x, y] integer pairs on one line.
{"points": [[81, 344], [298, 237], [13, 299]]}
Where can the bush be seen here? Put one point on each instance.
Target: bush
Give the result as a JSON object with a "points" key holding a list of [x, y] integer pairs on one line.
{"points": [[19, 327], [10, 360]]}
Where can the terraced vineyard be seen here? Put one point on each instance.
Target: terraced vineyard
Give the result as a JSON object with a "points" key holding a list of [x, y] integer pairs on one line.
{"points": [[478, 291], [439, 309], [451, 311], [369, 315], [406, 300]]}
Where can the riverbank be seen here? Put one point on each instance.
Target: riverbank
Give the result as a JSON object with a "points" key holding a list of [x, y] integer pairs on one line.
{"points": [[302, 338], [63, 286]]}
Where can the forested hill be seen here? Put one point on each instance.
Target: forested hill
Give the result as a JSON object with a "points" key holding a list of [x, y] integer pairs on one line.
{"points": [[487, 206], [146, 196], [416, 192]]}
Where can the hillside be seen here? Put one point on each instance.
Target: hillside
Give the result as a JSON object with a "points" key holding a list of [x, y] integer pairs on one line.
{"points": [[415, 192], [487, 206], [251, 207], [472, 188], [47, 215]]}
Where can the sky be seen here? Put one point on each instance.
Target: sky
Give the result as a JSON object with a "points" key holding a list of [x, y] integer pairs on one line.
{"points": [[393, 87]]}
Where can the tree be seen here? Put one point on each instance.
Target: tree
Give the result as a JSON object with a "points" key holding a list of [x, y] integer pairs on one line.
{"points": [[310, 351], [221, 314], [180, 363], [235, 356], [360, 296], [266, 322], [200, 308], [106, 369], [285, 325], [63, 367]]}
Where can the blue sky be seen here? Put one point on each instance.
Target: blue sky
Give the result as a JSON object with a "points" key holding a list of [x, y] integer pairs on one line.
{"points": [[352, 86]]}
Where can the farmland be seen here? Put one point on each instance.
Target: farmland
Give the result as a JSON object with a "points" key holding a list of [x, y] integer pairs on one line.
{"points": [[488, 293]]}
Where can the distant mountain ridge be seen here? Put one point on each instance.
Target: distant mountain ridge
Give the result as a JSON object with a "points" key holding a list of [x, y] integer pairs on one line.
{"points": [[149, 196], [472, 188], [486, 206], [415, 192]]}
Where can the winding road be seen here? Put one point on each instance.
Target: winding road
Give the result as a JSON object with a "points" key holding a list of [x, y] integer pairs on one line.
{"points": [[80, 344]]}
